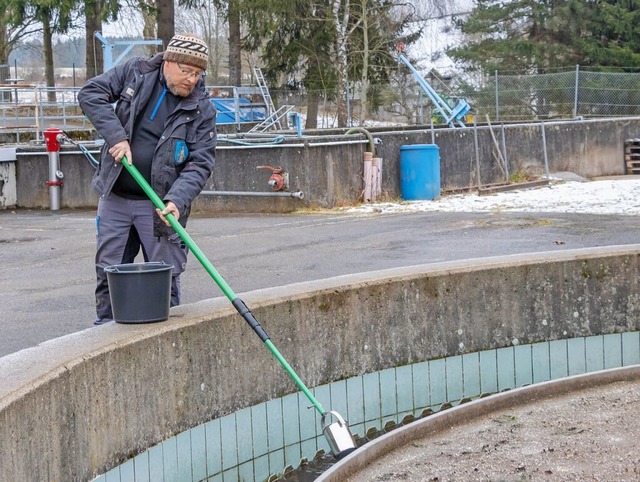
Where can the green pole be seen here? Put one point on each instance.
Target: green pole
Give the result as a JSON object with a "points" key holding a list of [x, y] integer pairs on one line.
{"points": [[219, 280]]}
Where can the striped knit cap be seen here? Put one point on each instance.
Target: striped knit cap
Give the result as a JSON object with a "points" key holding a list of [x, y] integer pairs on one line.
{"points": [[187, 49]]}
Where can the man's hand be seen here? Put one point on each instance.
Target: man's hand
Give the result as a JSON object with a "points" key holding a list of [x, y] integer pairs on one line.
{"points": [[120, 150], [169, 208]]}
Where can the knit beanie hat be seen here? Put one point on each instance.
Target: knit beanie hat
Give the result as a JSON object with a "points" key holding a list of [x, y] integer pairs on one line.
{"points": [[187, 49]]}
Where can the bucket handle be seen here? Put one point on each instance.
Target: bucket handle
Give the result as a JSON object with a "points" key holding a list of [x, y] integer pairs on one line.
{"points": [[114, 269], [341, 420]]}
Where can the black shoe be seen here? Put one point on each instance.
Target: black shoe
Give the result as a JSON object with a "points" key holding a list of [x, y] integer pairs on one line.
{"points": [[102, 322]]}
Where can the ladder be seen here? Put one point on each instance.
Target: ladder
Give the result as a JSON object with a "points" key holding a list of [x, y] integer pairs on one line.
{"points": [[264, 90], [272, 120]]}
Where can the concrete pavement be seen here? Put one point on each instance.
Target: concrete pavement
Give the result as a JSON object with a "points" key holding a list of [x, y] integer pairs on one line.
{"points": [[47, 273]]}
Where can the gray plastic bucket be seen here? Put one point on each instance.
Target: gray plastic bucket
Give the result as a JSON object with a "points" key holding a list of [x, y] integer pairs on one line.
{"points": [[140, 292]]}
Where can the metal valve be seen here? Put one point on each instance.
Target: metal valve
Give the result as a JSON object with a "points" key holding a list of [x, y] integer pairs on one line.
{"points": [[278, 180]]}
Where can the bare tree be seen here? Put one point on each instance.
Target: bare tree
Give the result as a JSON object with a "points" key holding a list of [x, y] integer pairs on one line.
{"points": [[208, 22], [235, 45], [149, 12], [94, 57], [165, 19], [340, 9], [364, 76], [13, 30]]}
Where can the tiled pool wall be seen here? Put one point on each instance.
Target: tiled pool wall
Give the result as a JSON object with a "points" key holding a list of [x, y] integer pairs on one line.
{"points": [[262, 441]]}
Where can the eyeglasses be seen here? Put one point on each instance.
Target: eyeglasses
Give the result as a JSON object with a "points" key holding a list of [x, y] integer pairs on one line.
{"points": [[188, 73]]}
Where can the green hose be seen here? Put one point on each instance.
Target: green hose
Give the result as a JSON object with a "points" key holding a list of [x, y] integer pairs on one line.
{"points": [[219, 280]]}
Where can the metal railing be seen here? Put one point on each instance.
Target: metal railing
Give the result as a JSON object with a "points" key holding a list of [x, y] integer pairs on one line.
{"points": [[31, 108]]}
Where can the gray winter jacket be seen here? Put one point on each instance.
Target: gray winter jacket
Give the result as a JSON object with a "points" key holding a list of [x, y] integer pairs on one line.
{"points": [[178, 174]]}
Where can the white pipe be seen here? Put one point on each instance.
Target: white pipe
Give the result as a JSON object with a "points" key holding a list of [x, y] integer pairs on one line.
{"points": [[333, 143], [297, 194]]}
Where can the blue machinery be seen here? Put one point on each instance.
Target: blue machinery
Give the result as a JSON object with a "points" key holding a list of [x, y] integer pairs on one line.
{"points": [[448, 114], [108, 48]]}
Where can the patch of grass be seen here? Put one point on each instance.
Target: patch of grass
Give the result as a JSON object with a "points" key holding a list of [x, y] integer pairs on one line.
{"points": [[521, 176]]}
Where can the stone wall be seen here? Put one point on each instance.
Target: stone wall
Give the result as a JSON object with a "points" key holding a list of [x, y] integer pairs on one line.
{"points": [[327, 167]]}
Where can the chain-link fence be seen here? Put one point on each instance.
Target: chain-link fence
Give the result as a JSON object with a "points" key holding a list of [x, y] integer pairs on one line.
{"points": [[558, 95], [504, 98]]}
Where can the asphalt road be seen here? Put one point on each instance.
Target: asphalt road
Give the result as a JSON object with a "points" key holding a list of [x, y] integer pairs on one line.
{"points": [[47, 272]]}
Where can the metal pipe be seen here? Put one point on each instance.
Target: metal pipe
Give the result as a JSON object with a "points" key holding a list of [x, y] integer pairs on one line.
{"points": [[362, 130], [306, 144], [53, 182], [575, 96], [219, 147], [52, 138], [497, 104], [433, 133], [477, 149], [544, 150], [504, 149], [253, 135], [296, 195], [38, 153], [510, 125]]}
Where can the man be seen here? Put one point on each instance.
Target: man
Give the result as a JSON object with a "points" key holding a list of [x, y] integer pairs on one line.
{"points": [[164, 123]]}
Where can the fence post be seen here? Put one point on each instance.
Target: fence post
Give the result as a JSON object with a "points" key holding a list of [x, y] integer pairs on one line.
{"points": [[544, 150], [349, 123], [504, 149], [477, 148], [575, 98], [497, 108]]}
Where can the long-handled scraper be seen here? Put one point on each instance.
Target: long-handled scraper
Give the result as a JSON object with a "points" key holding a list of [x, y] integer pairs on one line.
{"points": [[337, 433]]}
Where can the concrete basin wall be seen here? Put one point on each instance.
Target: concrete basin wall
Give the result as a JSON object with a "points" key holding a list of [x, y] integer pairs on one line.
{"points": [[73, 407]]}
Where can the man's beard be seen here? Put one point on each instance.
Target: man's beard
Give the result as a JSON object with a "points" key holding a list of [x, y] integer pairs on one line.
{"points": [[179, 90]]}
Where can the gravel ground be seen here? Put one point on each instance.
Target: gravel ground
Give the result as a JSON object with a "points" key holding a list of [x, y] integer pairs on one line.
{"points": [[589, 435]]}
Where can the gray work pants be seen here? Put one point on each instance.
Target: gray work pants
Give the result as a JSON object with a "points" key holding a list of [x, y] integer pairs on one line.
{"points": [[122, 227]]}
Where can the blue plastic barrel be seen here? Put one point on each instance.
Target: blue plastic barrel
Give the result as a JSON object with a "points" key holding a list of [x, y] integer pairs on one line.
{"points": [[420, 172]]}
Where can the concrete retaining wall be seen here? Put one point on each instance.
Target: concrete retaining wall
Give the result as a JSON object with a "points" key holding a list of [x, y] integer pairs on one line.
{"points": [[73, 407], [8, 194], [328, 168]]}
